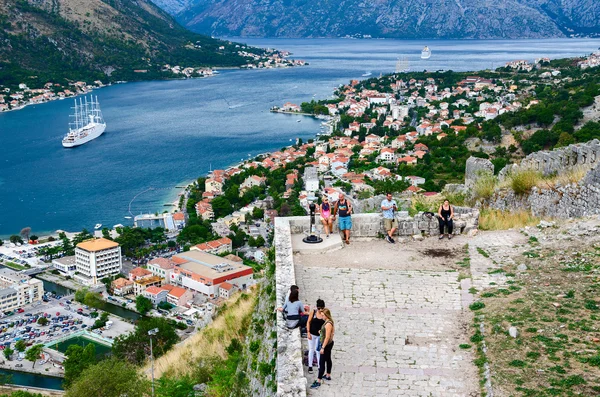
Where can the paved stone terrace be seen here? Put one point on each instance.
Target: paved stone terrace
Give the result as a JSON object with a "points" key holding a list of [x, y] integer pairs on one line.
{"points": [[399, 319]]}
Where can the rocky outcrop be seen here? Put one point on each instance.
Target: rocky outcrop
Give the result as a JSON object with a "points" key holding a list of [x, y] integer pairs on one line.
{"points": [[388, 18], [475, 169]]}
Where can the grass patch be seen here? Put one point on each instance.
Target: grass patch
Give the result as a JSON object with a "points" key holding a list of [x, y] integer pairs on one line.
{"points": [[490, 219], [14, 266], [464, 346], [485, 186], [482, 252], [476, 306], [521, 182], [212, 341]]}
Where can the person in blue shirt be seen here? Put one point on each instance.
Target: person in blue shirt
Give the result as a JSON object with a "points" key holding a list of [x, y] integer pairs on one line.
{"points": [[389, 208]]}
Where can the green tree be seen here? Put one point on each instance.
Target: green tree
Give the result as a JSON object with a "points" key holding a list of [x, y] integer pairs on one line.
{"points": [[80, 294], [84, 235], [78, 360], [94, 299], [100, 322], [221, 206], [34, 353], [34, 237], [143, 304], [15, 239], [169, 387], [110, 378], [8, 352], [135, 346], [43, 321], [20, 346]]}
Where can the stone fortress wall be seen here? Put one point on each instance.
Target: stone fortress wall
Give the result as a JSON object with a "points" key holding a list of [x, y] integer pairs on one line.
{"points": [[561, 201], [559, 160], [371, 225]]}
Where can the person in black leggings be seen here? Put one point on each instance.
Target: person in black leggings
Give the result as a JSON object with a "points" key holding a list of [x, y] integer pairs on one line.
{"points": [[326, 336], [446, 215]]}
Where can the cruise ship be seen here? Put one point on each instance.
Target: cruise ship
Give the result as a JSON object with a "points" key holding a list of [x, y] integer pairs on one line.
{"points": [[87, 125], [426, 53]]}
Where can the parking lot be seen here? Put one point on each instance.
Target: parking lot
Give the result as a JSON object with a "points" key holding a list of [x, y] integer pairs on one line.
{"points": [[64, 318]]}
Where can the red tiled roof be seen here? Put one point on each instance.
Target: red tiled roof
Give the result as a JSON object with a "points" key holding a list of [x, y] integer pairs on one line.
{"points": [[226, 286], [177, 292], [154, 290]]}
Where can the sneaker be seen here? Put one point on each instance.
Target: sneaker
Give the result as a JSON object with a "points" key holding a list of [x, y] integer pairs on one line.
{"points": [[328, 236], [310, 370], [315, 384], [449, 237], [326, 377], [441, 236], [388, 239], [392, 241]]}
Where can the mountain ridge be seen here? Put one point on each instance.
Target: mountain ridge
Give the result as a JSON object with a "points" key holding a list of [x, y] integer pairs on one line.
{"points": [[448, 19], [100, 39]]}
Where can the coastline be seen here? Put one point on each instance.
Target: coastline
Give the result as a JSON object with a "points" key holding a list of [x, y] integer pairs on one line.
{"points": [[33, 371], [23, 106], [45, 392]]}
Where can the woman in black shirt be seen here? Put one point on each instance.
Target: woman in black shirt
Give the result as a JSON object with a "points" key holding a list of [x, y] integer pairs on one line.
{"points": [[446, 215]]}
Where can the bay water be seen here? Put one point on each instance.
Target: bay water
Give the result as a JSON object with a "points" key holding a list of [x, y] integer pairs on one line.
{"points": [[163, 134]]}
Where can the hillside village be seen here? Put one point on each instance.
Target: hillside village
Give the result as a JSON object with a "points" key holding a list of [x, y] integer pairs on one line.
{"points": [[394, 126]]}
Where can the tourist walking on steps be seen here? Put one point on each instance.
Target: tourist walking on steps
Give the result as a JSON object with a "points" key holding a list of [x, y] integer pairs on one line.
{"points": [[389, 208], [343, 210], [326, 338], [446, 215], [326, 218], [314, 325]]}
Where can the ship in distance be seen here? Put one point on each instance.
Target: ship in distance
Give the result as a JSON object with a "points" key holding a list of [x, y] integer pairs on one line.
{"points": [[87, 123], [426, 53]]}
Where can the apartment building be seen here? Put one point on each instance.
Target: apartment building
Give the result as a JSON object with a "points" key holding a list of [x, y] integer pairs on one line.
{"points": [[18, 290], [96, 259]]}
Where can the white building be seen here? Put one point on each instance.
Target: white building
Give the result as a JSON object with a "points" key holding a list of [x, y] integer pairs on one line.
{"points": [[66, 265], [161, 267], [18, 290], [151, 221], [311, 179], [96, 259]]}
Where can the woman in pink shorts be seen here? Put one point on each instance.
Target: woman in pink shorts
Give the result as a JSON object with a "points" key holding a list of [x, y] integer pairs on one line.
{"points": [[326, 219]]}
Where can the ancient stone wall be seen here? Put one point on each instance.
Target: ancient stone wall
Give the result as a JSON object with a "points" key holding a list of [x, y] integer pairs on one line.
{"points": [[559, 160], [572, 200], [371, 225], [290, 374], [476, 168]]}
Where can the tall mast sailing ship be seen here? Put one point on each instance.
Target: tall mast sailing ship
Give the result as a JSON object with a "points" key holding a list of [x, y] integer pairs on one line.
{"points": [[87, 123]]}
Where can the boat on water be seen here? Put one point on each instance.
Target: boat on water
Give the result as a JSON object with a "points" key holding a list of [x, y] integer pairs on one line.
{"points": [[298, 121], [127, 217], [98, 226], [426, 53], [87, 123], [367, 74]]}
